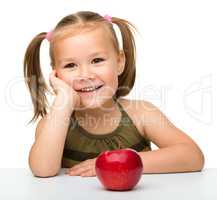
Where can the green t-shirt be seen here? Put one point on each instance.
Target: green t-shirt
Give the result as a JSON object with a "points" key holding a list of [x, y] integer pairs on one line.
{"points": [[81, 145]]}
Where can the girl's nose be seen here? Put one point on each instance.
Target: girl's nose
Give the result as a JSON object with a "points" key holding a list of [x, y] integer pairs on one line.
{"points": [[85, 73], [84, 78]]}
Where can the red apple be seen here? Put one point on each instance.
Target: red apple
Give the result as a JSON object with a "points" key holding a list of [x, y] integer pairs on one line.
{"points": [[119, 169]]}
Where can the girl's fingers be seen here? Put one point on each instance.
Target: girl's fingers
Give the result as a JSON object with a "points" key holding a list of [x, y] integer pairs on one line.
{"points": [[54, 81], [53, 73], [78, 171], [89, 162], [77, 168], [88, 173], [85, 168], [82, 164]]}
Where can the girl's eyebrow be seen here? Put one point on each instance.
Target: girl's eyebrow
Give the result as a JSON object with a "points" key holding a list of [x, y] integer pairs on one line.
{"points": [[97, 53], [72, 59]]}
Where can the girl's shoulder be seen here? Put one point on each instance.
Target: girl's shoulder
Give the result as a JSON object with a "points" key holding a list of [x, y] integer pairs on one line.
{"points": [[145, 115], [133, 110], [154, 124], [141, 108]]}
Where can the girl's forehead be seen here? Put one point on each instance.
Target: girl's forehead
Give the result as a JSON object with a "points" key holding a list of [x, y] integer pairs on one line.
{"points": [[74, 33], [94, 38]]}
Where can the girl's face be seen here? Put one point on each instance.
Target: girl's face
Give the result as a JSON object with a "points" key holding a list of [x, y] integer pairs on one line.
{"points": [[89, 59]]}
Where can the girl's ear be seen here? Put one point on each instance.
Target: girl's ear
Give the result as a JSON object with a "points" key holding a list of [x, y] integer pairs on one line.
{"points": [[121, 62]]}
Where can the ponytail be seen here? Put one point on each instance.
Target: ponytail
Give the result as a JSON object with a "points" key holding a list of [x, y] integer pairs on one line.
{"points": [[34, 78], [127, 78]]}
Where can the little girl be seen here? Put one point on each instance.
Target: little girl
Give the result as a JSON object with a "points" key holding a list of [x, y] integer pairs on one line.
{"points": [[91, 73]]}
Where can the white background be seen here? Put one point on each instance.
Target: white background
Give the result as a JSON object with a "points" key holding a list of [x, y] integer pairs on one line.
{"points": [[176, 45]]}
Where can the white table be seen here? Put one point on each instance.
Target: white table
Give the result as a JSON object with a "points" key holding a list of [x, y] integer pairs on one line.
{"points": [[21, 184]]}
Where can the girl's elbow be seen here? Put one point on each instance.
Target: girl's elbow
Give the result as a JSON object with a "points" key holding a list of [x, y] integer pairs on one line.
{"points": [[45, 174], [199, 161], [42, 170], [195, 158]]}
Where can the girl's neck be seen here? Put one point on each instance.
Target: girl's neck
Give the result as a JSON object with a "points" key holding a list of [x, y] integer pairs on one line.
{"points": [[109, 108]]}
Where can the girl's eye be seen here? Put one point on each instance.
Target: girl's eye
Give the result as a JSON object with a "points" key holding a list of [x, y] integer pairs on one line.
{"points": [[70, 65], [97, 60]]}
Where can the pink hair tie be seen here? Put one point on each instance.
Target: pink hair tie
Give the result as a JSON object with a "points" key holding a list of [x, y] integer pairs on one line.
{"points": [[49, 35], [108, 18]]}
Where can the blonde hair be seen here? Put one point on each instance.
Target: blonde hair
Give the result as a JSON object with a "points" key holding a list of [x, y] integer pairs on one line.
{"points": [[32, 70]]}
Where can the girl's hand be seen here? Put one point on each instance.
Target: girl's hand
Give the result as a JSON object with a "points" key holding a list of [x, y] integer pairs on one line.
{"points": [[61, 88], [84, 169]]}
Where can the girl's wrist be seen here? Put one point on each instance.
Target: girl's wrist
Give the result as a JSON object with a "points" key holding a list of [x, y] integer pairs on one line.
{"points": [[63, 103]]}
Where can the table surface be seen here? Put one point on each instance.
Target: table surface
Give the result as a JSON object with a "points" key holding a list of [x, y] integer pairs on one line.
{"points": [[21, 184]]}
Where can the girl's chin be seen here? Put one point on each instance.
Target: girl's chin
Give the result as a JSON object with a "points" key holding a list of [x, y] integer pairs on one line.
{"points": [[93, 103], [90, 103]]}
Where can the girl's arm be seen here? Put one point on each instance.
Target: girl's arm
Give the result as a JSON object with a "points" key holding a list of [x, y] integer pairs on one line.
{"points": [[177, 151], [46, 153]]}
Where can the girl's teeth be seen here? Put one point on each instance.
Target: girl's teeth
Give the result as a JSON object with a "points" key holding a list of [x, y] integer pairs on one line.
{"points": [[88, 89]]}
